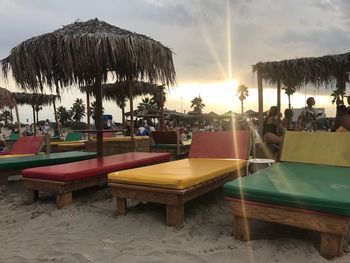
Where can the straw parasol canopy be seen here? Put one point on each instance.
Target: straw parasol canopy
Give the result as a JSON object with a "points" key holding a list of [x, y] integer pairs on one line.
{"points": [[293, 73], [36, 99], [6, 99], [83, 53]]}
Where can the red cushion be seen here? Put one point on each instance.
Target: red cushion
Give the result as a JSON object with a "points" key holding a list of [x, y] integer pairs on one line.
{"points": [[221, 144], [28, 145], [94, 167]]}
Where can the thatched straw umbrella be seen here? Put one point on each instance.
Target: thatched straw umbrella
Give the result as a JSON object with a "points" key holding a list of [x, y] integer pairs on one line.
{"points": [[36, 99], [84, 53], [7, 100], [331, 69], [119, 92]]}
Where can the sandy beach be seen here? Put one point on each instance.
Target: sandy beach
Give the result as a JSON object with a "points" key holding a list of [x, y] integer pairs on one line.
{"points": [[88, 231]]}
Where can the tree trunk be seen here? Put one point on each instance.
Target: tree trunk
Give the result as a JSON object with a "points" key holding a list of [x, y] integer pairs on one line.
{"points": [[18, 120], [279, 96], [88, 113], [123, 118], [56, 117], [162, 123], [289, 105], [37, 115], [131, 90], [261, 101], [242, 110], [99, 122], [34, 122]]}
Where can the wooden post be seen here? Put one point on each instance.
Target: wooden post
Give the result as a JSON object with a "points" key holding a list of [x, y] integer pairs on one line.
{"points": [[121, 206], [162, 124], [241, 229], [99, 122], [279, 96], [18, 120], [131, 90], [34, 120], [56, 117], [261, 102], [175, 215], [123, 118], [88, 112]]}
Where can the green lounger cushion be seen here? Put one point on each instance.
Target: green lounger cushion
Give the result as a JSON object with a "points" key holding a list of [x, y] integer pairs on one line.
{"points": [[164, 146], [73, 136], [44, 159], [308, 186]]}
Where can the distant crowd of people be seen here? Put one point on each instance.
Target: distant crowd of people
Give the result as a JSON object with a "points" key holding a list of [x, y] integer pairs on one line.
{"points": [[274, 126]]}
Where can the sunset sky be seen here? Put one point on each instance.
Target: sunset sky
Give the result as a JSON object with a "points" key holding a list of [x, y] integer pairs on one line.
{"points": [[215, 42]]}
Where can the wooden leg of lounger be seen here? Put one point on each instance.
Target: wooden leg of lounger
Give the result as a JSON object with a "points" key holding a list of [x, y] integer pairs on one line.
{"points": [[64, 199], [31, 195], [174, 215], [3, 179], [241, 229], [331, 245], [121, 206]]}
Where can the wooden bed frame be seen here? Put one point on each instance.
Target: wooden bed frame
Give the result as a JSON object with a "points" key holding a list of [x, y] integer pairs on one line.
{"points": [[173, 199], [333, 228], [62, 190]]}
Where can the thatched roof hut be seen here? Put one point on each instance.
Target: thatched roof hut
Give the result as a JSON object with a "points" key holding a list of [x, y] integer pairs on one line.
{"points": [[84, 53], [325, 70]]}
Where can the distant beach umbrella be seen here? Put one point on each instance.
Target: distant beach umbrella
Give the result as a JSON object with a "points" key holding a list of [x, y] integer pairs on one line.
{"points": [[83, 53], [7, 100]]}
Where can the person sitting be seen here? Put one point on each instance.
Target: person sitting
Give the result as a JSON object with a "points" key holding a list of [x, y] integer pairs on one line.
{"points": [[3, 146], [272, 129], [308, 116], [287, 120], [342, 120]]}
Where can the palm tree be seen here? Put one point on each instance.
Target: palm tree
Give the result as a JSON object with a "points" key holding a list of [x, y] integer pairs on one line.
{"points": [[338, 96], [93, 110], [6, 116], [78, 110], [289, 90], [147, 104], [37, 109], [63, 114], [197, 104], [121, 102], [243, 93]]}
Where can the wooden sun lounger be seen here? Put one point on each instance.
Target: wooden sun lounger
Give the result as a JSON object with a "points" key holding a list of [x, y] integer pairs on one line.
{"points": [[62, 180], [308, 189], [333, 228], [175, 183], [14, 165], [172, 198]]}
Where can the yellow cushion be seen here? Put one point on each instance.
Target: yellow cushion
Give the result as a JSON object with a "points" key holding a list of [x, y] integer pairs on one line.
{"points": [[330, 148], [72, 144], [14, 155], [180, 174]]}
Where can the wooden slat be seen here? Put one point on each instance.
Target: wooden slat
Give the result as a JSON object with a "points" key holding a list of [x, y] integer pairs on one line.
{"points": [[148, 196], [319, 222]]}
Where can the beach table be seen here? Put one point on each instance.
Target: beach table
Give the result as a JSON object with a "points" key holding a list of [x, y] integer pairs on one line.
{"points": [[13, 166], [309, 188]]}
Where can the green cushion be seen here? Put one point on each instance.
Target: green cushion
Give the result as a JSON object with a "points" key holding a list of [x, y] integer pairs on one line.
{"points": [[13, 136], [44, 159], [308, 186], [164, 146], [73, 136]]}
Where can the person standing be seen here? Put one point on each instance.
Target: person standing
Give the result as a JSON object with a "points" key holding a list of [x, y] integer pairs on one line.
{"points": [[308, 116]]}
